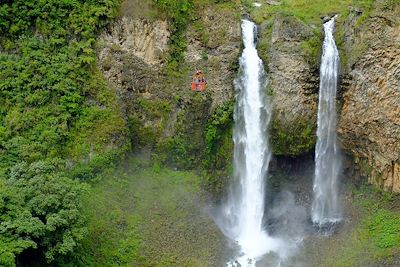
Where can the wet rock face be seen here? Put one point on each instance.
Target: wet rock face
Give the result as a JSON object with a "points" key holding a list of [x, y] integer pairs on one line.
{"points": [[294, 87], [369, 124], [131, 54], [293, 84]]}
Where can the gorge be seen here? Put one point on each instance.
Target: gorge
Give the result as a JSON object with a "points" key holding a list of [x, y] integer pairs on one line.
{"points": [[107, 158]]}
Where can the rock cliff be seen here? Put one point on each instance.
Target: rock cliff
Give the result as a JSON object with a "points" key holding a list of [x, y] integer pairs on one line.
{"points": [[369, 124], [165, 117], [293, 85], [369, 119]]}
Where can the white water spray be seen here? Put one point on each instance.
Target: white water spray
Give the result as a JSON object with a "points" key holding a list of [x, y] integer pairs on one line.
{"points": [[244, 209], [325, 206]]}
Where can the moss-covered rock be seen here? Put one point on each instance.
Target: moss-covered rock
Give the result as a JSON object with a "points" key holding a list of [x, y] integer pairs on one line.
{"points": [[292, 139], [139, 56], [182, 143], [291, 49], [219, 148]]}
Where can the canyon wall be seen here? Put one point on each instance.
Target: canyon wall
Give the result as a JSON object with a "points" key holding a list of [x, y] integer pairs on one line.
{"points": [[168, 121], [369, 125], [293, 85], [183, 127]]}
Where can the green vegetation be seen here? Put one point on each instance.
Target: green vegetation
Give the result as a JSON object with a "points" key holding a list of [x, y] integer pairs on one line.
{"points": [[155, 110], [312, 48], [218, 127], [179, 13], [55, 111], [217, 162], [147, 216], [294, 139], [308, 11], [264, 43], [375, 238], [384, 228], [340, 43], [39, 209], [179, 141], [178, 151]]}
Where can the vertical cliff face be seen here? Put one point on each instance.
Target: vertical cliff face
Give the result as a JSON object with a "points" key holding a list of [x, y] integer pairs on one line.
{"points": [[293, 85], [214, 46], [131, 53], [369, 92], [163, 114], [369, 124]]}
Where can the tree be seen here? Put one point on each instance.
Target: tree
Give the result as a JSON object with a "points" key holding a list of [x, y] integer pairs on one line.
{"points": [[39, 208]]}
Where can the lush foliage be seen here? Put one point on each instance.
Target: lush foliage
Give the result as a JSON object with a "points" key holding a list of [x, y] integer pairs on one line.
{"points": [[39, 208], [144, 215], [185, 149], [218, 137], [292, 140], [179, 13], [54, 106], [384, 227], [157, 111], [46, 81]]}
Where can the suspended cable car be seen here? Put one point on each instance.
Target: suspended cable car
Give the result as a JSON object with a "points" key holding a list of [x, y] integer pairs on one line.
{"points": [[199, 82]]}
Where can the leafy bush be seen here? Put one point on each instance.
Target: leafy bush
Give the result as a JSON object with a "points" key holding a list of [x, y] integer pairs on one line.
{"points": [[46, 80], [51, 100], [177, 151], [87, 171], [39, 209], [179, 13]]}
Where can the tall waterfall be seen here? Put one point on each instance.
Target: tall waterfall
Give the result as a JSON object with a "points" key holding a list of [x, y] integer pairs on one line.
{"points": [[245, 206], [325, 206]]}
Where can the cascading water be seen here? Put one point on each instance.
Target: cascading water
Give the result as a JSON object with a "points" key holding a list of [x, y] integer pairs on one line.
{"points": [[325, 206], [244, 209]]}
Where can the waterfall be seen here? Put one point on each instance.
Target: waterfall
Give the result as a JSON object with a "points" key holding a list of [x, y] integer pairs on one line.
{"points": [[243, 212], [325, 206]]}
